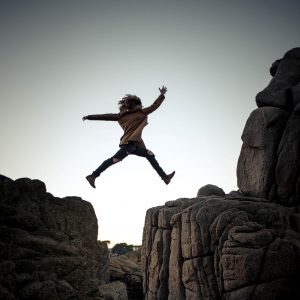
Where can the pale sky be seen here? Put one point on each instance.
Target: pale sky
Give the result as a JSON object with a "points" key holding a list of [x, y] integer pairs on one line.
{"points": [[61, 60]]}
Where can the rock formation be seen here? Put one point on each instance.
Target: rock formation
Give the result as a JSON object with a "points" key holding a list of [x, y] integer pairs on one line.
{"points": [[127, 268], [48, 246], [244, 245], [269, 164], [115, 290]]}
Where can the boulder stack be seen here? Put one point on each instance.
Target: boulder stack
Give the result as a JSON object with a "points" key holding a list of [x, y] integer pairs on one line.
{"points": [[48, 245], [269, 164], [243, 245]]}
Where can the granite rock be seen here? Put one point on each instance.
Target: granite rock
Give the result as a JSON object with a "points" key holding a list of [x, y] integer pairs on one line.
{"points": [[269, 164], [243, 245], [222, 248], [48, 245], [127, 269], [115, 290], [283, 89], [210, 190]]}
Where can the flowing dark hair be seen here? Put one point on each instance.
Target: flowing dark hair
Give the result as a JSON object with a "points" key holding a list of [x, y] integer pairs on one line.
{"points": [[133, 100]]}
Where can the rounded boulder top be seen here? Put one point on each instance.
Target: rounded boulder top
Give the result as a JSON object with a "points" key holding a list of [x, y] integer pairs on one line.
{"points": [[210, 190]]}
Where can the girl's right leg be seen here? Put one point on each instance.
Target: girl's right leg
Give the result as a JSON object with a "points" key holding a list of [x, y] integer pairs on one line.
{"points": [[120, 155]]}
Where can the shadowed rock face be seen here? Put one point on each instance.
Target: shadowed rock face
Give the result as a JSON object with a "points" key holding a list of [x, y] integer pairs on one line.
{"points": [[244, 245], [48, 245], [269, 164], [283, 90], [127, 268], [221, 248]]}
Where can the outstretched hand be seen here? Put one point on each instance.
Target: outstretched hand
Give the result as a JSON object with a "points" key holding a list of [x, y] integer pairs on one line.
{"points": [[162, 90]]}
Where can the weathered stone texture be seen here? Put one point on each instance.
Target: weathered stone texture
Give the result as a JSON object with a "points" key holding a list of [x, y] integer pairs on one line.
{"points": [[243, 245], [288, 164], [115, 290], [48, 245], [258, 157], [127, 269], [269, 164], [283, 89], [222, 248], [210, 190]]}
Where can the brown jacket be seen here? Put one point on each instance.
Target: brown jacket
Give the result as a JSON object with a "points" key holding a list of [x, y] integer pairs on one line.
{"points": [[132, 121]]}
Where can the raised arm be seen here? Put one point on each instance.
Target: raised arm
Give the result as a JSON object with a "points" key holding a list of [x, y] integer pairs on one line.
{"points": [[103, 117], [148, 110]]}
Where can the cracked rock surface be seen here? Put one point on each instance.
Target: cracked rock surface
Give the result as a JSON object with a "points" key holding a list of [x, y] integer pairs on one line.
{"points": [[269, 164], [221, 248], [246, 244], [127, 269]]}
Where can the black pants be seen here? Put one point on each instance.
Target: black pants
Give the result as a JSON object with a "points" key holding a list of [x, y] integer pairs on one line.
{"points": [[131, 148]]}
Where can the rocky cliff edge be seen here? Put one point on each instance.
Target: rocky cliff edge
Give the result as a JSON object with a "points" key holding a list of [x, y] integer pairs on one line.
{"points": [[245, 245], [48, 246]]}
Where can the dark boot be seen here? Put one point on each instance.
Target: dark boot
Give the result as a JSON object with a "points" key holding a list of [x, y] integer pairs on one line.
{"points": [[168, 178], [91, 179]]}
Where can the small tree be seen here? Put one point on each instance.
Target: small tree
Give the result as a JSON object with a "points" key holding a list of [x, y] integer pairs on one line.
{"points": [[121, 248]]}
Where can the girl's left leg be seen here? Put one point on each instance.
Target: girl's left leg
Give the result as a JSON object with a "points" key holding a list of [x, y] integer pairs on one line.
{"points": [[149, 155]]}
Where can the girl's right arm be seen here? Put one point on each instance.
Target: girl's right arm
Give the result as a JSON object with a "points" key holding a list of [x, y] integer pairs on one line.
{"points": [[103, 117]]}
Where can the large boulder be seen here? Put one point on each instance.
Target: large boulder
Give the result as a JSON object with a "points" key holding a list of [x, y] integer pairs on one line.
{"points": [[48, 245], [127, 269], [221, 248], [244, 245], [115, 290], [210, 190], [288, 162], [284, 88], [258, 158], [269, 162]]}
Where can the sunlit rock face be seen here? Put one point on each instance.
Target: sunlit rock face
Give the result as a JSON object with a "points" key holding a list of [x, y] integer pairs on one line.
{"points": [[243, 245], [269, 164], [48, 245], [221, 248]]}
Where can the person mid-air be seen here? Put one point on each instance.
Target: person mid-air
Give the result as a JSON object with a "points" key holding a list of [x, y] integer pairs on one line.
{"points": [[132, 118]]}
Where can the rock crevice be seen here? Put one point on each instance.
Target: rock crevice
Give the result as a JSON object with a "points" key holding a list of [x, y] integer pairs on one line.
{"points": [[218, 247]]}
